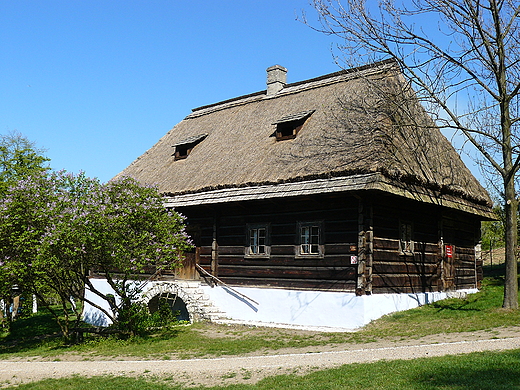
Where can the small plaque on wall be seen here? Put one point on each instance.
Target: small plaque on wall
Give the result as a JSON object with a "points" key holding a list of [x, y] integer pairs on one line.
{"points": [[449, 251], [353, 248], [353, 259]]}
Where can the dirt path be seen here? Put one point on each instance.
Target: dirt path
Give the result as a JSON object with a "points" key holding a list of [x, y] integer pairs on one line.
{"points": [[250, 369]]}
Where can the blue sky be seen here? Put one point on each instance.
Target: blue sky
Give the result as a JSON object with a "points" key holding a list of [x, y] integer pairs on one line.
{"points": [[97, 83]]}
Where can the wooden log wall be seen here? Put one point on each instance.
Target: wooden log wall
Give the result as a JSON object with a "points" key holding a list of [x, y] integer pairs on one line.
{"points": [[394, 272], [367, 227], [463, 232], [425, 269], [331, 271]]}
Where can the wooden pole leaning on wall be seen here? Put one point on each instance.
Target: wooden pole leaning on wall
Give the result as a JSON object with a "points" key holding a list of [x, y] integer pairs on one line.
{"points": [[202, 270]]}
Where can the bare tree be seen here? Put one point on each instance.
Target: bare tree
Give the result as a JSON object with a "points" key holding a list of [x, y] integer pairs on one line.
{"points": [[462, 58]]}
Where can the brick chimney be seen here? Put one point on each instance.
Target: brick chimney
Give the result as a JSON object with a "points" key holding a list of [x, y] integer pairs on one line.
{"points": [[276, 79]]}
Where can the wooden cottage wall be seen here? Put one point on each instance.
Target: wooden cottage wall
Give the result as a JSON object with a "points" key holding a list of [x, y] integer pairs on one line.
{"points": [[428, 268], [225, 256], [393, 270], [462, 232], [366, 226]]}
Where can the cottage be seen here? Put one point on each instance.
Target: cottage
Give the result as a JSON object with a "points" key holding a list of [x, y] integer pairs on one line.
{"points": [[326, 202]]}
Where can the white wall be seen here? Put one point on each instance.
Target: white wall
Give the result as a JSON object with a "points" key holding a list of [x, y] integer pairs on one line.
{"points": [[292, 307], [313, 308], [91, 314]]}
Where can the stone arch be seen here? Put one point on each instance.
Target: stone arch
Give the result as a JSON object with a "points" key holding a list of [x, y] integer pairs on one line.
{"points": [[162, 289]]}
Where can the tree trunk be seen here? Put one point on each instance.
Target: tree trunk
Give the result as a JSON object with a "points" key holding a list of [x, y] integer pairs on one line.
{"points": [[511, 278]]}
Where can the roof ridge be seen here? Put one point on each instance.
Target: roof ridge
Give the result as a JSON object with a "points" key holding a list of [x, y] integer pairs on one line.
{"points": [[243, 99]]}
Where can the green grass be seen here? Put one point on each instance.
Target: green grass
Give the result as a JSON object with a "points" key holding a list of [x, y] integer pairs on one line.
{"points": [[484, 371], [37, 335], [480, 311]]}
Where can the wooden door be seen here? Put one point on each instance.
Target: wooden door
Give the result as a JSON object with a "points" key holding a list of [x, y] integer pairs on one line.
{"points": [[188, 270]]}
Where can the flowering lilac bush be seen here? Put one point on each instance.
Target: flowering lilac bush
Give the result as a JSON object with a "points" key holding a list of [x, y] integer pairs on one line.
{"points": [[57, 228]]}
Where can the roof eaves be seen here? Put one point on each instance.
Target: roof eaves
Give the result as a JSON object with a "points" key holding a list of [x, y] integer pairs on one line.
{"points": [[371, 181]]}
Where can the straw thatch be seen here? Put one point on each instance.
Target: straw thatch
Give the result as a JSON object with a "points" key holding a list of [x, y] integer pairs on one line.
{"points": [[360, 122]]}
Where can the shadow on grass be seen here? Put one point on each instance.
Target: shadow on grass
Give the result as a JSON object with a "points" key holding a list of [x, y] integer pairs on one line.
{"points": [[497, 272], [41, 332], [30, 332], [485, 371], [458, 305]]}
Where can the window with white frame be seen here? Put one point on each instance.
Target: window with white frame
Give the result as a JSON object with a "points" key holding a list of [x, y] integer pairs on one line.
{"points": [[310, 239], [258, 236]]}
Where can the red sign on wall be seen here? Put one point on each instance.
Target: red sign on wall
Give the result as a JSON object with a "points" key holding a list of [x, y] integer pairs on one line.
{"points": [[449, 251]]}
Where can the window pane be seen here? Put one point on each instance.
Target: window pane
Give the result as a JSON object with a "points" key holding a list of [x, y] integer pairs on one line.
{"points": [[405, 233], [257, 241], [309, 239]]}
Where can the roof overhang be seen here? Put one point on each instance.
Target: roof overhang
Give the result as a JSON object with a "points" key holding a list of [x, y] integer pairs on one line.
{"points": [[360, 182]]}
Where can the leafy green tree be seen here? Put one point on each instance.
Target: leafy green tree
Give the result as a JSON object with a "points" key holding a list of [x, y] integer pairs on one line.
{"points": [[56, 228], [19, 158]]}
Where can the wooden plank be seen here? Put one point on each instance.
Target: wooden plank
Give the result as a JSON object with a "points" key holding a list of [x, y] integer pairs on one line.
{"points": [[391, 256], [467, 282], [391, 244], [205, 250], [187, 271], [288, 250], [321, 273], [224, 250], [405, 290], [465, 264], [319, 285], [341, 248], [415, 281], [386, 244], [205, 260], [275, 261], [277, 250], [465, 251], [461, 272], [404, 268]]}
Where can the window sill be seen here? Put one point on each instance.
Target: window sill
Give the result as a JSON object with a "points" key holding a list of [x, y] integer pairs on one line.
{"points": [[310, 256], [264, 256]]}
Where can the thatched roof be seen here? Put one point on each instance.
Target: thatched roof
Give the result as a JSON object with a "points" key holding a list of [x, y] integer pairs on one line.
{"points": [[359, 127]]}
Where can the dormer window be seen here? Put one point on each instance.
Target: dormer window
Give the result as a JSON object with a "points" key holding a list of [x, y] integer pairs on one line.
{"points": [[289, 126], [184, 147]]}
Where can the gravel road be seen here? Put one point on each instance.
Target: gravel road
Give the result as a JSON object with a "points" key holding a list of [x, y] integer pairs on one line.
{"points": [[245, 369]]}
